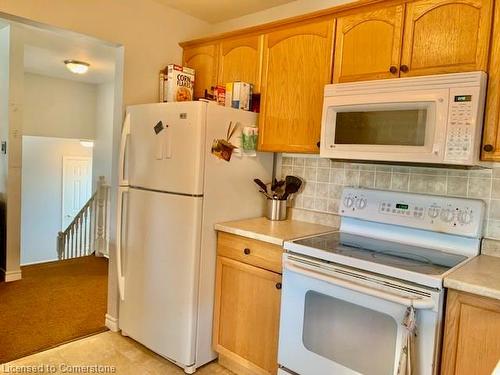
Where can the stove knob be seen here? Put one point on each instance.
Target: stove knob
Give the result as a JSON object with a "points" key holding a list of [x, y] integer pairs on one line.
{"points": [[433, 212], [465, 217], [348, 201], [361, 203], [447, 215]]}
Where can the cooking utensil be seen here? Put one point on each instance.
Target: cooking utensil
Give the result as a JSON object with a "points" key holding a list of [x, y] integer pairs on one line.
{"points": [[292, 185], [262, 185], [277, 184]]}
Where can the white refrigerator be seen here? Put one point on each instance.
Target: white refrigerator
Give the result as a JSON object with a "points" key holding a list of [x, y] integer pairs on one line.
{"points": [[172, 192]]}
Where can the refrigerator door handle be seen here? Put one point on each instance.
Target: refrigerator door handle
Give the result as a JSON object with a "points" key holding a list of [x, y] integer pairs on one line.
{"points": [[123, 145], [119, 221]]}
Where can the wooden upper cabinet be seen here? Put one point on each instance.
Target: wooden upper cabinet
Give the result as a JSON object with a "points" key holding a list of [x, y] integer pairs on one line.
{"points": [[203, 59], [240, 60], [368, 45], [297, 64], [446, 36], [491, 131]]}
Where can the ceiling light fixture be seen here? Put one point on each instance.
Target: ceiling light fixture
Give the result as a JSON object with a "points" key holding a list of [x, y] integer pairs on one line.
{"points": [[77, 67], [87, 143]]}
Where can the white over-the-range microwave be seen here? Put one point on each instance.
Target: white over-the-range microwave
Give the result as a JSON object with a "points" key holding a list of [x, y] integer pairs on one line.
{"points": [[431, 119]]}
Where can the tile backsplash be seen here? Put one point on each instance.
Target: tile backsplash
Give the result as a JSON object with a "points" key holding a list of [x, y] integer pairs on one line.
{"points": [[325, 178]]}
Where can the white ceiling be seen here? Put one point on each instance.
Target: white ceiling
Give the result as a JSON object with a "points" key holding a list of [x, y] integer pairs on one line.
{"points": [[45, 52], [214, 11]]}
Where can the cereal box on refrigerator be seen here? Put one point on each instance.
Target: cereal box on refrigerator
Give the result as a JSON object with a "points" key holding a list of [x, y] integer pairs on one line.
{"points": [[220, 94], [242, 96], [179, 83]]}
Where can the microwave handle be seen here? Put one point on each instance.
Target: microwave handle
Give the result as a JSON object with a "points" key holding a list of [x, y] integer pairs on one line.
{"points": [[417, 303], [328, 128]]}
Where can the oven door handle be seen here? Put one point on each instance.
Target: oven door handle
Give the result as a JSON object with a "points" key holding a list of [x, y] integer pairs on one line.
{"points": [[417, 303]]}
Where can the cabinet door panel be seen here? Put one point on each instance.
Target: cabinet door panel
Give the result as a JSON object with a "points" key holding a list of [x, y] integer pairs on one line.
{"points": [[297, 65], [446, 36], [247, 307], [240, 60], [491, 133], [203, 59], [368, 44], [471, 344]]}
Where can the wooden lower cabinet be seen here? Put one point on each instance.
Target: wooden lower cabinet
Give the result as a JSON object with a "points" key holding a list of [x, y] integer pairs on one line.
{"points": [[246, 317], [472, 335]]}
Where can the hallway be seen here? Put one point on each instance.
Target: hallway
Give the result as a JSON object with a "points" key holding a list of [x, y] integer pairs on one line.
{"points": [[54, 302]]}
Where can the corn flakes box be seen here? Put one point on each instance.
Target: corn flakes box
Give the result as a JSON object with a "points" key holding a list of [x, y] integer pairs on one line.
{"points": [[179, 83]]}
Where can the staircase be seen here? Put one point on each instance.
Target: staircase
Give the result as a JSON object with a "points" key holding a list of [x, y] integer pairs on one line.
{"points": [[89, 231]]}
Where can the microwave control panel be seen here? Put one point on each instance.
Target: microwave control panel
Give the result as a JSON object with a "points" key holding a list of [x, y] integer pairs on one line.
{"points": [[461, 128]]}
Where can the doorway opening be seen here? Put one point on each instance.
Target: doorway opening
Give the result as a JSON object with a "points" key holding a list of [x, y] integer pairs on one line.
{"points": [[57, 131]]}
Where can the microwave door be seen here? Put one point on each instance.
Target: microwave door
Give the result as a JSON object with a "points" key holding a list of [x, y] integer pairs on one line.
{"points": [[385, 128]]}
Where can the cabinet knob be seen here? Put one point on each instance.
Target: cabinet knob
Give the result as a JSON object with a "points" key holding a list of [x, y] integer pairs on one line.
{"points": [[278, 285], [318, 143], [393, 69], [488, 148], [246, 250], [404, 68]]}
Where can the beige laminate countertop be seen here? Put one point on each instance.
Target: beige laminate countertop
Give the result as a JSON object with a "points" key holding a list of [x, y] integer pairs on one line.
{"points": [[275, 232], [479, 276]]}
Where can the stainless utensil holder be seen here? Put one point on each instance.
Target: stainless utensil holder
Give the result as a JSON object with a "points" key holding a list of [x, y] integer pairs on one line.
{"points": [[276, 209]]}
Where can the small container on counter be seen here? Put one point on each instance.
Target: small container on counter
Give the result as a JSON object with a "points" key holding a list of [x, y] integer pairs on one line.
{"points": [[276, 209]]}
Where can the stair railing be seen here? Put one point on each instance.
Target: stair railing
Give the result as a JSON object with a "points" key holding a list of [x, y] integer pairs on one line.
{"points": [[88, 232]]}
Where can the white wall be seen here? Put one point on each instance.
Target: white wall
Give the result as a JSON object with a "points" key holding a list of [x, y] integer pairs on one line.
{"points": [[149, 34], [294, 8], [55, 107], [4, 119], [12, 57], [103, 145], [41, 214]]}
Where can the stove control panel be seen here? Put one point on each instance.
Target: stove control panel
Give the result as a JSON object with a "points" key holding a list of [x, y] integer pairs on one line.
{"points": [[437, 213]]}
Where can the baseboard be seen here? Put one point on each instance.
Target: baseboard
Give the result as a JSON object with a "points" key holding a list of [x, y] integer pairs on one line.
{"points": [[112, 323], [9, 276]]}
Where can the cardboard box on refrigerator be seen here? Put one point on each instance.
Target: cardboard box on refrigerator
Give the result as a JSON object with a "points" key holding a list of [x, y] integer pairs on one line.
{"points": [[242, 96]]}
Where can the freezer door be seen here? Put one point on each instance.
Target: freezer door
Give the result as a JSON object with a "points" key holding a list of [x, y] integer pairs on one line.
{"points": [[160, 252], [166, 143]]}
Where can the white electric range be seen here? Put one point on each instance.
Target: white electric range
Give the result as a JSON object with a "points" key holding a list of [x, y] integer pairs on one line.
{"points": [[346, 294]]}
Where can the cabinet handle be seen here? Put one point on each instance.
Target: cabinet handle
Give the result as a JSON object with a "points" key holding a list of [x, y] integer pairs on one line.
{"points": [[278, 286], [318, 144], [393, 69], [404, 68], [488, 148], [246, 250]]}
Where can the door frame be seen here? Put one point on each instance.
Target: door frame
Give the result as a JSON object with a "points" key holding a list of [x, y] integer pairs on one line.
{"points": [[63, 174]]}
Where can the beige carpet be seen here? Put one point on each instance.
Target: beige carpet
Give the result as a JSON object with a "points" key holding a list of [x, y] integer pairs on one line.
{"points": [[54, 303]]}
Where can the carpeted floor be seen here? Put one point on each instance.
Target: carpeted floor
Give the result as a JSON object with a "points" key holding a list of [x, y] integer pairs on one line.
{"points": [[54, 303]]}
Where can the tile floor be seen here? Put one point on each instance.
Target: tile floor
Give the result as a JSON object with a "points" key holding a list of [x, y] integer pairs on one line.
{"points": [[106, 349]]}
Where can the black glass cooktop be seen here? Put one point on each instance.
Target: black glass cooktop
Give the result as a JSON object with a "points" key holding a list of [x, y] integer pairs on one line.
{"points": [[417, 259]]}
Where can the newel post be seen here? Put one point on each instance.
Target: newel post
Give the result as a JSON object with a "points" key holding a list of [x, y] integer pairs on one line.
{"points": [[100, 240], [60, 245]]}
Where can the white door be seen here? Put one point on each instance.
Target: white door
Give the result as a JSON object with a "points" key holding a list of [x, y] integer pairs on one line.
{"points": [[76, 187]]}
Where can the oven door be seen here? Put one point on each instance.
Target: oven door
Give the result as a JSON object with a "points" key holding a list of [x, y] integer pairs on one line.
{"points": [[395, 126], [334, 323]]}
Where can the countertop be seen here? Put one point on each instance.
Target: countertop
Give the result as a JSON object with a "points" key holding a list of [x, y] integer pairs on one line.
{"points": [[479, 276], [275, 232]]}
